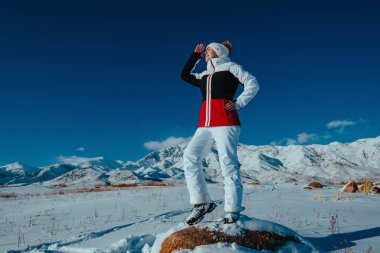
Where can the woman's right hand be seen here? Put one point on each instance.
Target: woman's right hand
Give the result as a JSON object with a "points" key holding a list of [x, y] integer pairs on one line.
{"points": [[199, 48]]}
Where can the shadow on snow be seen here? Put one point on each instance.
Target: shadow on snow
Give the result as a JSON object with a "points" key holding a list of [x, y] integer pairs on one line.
{"points": [[342, 240]]}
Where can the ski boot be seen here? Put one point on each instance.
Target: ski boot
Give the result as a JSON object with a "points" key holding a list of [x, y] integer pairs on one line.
{"points": [[231, 217], [199, 212]]}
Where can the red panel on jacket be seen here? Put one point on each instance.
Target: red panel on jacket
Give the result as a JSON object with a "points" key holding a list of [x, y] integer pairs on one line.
{"points": [[219, 116]]}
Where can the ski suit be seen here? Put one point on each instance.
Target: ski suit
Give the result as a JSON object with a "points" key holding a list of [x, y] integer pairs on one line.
{"points": [[218, 85]]}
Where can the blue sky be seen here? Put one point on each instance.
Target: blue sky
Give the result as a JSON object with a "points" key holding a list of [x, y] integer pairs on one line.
{"points": [[102, 78]]}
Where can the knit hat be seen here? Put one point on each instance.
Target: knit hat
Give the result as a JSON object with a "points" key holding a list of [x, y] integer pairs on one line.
{"points": [[220, 49]]}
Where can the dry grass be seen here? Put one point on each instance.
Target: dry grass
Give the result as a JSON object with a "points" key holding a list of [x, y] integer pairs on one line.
{"points": [[161, 184], [337, 183], [366, 187], [344, 182], [96, 188], [11, 195], [341, 183], [363, 180], [60, 185], [337, 196], [251, 182], [330, 182], [318, 197], [191, 237], [123, 185]]}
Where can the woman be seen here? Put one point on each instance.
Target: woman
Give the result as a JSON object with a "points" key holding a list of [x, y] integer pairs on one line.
{"points": [[219, 123]]}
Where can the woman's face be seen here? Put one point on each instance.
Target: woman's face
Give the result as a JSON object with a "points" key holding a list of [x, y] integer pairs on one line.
{"points": [[210, 53]]}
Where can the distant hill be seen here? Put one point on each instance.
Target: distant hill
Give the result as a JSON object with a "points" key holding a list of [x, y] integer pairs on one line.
{"points": [[335, 161]]}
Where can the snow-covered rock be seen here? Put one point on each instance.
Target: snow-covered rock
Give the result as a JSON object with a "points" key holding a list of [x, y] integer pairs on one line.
{"points": [[247, 235], [375, 189], [313, 185], [350, 187]]}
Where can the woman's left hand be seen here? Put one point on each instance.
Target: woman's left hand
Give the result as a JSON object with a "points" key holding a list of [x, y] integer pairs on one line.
{"points": [[230, 106]]}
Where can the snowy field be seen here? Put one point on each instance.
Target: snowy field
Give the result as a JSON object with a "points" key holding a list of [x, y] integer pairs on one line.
{"points": [[36, 218]]}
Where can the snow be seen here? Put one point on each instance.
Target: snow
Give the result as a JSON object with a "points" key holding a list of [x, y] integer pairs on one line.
{"points": [[136, 219], [40, 217]]}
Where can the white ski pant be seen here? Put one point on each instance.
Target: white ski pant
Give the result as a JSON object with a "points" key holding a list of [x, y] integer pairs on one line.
{"points": [[226, 139]]}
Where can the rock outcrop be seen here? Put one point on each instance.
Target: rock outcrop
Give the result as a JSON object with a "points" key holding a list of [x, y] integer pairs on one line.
{"points": [[351, 187], [191, 237], [313, 185]]}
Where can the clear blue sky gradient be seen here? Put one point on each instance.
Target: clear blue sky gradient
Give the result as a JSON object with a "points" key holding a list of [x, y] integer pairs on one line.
{"points": [[105, 75]]}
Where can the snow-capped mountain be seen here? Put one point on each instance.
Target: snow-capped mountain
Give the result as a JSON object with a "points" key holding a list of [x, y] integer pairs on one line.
{"points": [[18, 173], [12, 172], [96, 162], [93, 176], [162, 164], [335, 161], [50, 172], [18, 168]]}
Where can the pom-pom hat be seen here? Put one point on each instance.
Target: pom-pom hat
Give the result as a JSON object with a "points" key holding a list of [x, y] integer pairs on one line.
{"points": [[220, 49]]}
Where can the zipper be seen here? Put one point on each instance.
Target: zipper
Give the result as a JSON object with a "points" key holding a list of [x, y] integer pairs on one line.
{"points": [[208, 97]]}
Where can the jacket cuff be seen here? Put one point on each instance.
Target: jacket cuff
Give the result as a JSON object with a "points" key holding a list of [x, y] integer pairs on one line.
{"points": [[237, 105], [196, 55]]}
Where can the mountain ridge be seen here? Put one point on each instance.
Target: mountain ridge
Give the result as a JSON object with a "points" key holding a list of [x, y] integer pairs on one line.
{"points": [[267, 163]]}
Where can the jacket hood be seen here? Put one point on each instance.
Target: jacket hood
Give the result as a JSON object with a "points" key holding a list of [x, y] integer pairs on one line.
{"points": [[217, 61]]}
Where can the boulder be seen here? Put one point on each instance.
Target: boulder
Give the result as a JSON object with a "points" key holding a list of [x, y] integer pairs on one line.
{"points": [[313, 185], [191, 237], [350, 187], [375, 189]]}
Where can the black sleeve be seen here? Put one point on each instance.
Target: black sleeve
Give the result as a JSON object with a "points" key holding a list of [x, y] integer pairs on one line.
{"points": [[186, 72]]}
